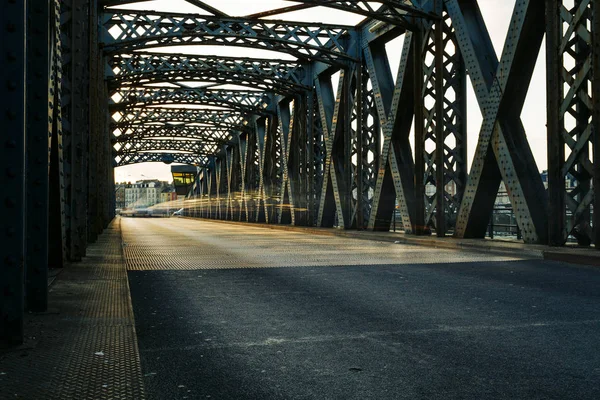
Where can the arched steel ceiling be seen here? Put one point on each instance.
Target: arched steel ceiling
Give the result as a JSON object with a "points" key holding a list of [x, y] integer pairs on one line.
{"points": [[163, 104], [244, 101]]}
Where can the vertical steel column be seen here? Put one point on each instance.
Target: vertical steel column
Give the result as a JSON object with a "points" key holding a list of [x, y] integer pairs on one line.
{"points": [[56, 225], [556, 151], [12, 175], [571, 128], [299, 161], [349, 141], [38, 135], [445, 110], [286, 200], [596, 117], [317, 157], [75, 85], [242, 143], [440, 153], [96, 120], [419, 221], [80, 105], [261, 138], [361, 152]]}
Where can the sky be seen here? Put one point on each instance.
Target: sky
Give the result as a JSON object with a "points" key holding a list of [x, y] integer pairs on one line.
{"points": [[497, 14]]}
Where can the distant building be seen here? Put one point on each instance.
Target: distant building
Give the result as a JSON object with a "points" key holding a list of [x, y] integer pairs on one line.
{"points": [[120, 195], [168, 194], [144, 193]]}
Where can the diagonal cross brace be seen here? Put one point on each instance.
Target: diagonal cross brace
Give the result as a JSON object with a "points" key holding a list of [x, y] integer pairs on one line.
{"points": [[395, 178], [503, 152]]}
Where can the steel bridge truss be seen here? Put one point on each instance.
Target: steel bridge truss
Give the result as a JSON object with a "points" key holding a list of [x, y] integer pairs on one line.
{"points": [[333, 138]]}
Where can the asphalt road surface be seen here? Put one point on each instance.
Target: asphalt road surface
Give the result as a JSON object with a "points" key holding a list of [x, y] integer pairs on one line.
{"points": [[230, 312]]}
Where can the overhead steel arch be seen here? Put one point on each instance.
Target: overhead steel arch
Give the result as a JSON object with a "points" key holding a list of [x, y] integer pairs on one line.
{"points": [[395, 12], [209, 134], [153, 145], [249, 101], [129, 30], [143, 68], [158, 116], [167, 158]]}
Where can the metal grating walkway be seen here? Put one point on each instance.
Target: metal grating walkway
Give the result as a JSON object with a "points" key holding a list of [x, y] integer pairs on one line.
{"points": [[185, 244], [85, 347]]}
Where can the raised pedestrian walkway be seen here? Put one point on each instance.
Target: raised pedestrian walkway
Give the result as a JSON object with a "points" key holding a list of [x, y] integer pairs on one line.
{"points": [[85, 346]]}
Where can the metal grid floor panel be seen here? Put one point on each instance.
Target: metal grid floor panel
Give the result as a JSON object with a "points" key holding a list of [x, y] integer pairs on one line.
{"points": [[185, 244]]}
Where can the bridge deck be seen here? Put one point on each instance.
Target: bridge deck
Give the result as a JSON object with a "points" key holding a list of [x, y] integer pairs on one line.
{"points": [[225, 311], [231, 312]]}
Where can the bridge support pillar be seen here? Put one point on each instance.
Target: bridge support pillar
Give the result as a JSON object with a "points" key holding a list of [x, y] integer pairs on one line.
{"points": [[12, 176], [38, 135]]}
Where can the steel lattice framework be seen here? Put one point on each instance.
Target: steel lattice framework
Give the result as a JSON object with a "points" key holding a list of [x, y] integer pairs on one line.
{"points": [[325, 133]]}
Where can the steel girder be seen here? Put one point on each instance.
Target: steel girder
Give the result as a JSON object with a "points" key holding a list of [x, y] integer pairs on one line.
{"points": [[176, 116], [142, 68], [129, 30], [572, 126], [248, 102]]}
